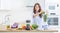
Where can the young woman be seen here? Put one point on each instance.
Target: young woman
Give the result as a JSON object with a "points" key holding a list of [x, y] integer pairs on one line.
{"points": [[37, 16]]}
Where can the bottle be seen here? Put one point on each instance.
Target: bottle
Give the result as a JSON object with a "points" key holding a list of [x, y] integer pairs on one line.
{"points": [[28, 25]]}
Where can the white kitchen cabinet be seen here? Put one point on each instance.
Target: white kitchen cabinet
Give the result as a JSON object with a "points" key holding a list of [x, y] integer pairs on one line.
{"points": [[52, 6], [30, 3], [5, 5], [53, 13], [5, 8]]}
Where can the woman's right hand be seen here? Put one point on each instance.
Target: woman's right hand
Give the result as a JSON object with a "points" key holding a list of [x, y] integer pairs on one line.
{"points": [[36, 14]]}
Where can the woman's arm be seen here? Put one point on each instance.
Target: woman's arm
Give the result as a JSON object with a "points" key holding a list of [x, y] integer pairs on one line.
{"points": [[38, 13], [41, 12], [35, 15]]}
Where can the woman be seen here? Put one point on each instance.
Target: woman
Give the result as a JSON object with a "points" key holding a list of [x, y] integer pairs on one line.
{"points": [[37, 16]]}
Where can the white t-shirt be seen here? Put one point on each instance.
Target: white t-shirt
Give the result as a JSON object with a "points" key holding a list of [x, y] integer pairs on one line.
{"points": [[39, 21]]}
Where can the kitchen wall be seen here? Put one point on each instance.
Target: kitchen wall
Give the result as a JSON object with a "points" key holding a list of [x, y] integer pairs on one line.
{"points": [[17, 10]]}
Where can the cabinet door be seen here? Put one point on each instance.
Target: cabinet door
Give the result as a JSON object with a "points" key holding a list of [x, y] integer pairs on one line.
{"points": [[6, 4], [30, 3], [0, 3], [53, 13]]}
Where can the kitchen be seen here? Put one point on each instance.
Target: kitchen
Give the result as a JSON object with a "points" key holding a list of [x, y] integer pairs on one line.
{"points": [[12, 11]]}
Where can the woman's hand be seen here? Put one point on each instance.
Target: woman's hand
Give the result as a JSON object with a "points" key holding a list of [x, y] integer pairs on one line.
{"points": [[36, 14], [41, 12]]}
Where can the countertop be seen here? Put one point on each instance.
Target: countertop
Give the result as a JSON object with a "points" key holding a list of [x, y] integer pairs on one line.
{"points": [[3, 29], [28, 30]]}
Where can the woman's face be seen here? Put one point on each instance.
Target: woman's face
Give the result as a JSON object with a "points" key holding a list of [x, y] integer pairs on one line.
{"points": [[37, 8]]}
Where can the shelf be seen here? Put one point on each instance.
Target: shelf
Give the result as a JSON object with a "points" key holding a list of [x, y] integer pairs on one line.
{"points": [[5, 9]]}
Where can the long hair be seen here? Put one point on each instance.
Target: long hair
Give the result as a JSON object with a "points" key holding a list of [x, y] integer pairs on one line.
{"points": [[34, 11]]}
